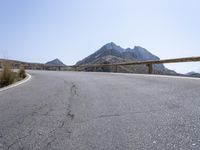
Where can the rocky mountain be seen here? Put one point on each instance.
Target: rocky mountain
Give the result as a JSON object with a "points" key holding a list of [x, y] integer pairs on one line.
{"points": [[112, 53], [55, 62], [193, 74]]}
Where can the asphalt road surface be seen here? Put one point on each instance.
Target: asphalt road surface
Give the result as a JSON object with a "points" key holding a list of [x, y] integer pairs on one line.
{"points": [[100, 111]]}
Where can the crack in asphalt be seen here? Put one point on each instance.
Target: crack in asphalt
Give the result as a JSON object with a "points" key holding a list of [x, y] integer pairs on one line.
{"points": [[73, 93], [18, 139], [49, 144], [111, 115], [74, 89], [32, 114], [51, 136], [118, 115], [48, 112], [67, 121]]}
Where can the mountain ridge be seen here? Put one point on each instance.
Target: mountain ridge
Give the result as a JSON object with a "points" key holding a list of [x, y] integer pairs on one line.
{"points": [[137, 53], [112, 53], [193, 74]]}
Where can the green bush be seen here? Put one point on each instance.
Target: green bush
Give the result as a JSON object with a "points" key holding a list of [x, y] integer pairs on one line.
{"points": [[7, 75], [22, 72]]}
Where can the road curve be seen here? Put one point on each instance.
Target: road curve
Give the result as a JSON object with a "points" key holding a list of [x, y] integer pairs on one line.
{"points": [[100, 111]]}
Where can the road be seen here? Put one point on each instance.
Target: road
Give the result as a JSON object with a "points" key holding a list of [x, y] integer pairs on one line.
{"points": [[100, 111]]}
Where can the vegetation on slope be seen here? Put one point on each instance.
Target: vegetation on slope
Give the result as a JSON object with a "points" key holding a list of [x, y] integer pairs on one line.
{"points": [[22, 72], [8, 76]]}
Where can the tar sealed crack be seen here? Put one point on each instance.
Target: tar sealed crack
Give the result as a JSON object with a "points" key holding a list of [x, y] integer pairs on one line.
{"points": [[70, 115], [49, 144], [119, 115], [48, 112], [65, 123], [74, 89], [112, 115], [73, 93]]}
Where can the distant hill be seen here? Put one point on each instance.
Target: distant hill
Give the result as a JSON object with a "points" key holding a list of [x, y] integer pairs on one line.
{"points": [[193, 74], [18, 63], [38, 66], [12, 61], [55, 62], [112, 53]]}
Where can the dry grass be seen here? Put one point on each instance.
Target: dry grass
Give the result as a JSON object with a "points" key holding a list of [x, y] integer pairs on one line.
{"points": [[8, 76], [22, 72]]}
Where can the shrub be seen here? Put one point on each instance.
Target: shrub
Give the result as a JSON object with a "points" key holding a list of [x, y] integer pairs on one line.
{"points": [[0, 77], [7, 75], [22, 72]]}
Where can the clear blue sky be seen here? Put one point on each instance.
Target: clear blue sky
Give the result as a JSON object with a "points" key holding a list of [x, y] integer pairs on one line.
{"points": [[41, 30]]}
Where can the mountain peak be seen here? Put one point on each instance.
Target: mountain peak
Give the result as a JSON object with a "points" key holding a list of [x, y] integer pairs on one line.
{"points": [[112, 53], [143, 54], [113, 46], [55, 62], [111, 49], [56, 59], [110, 44]]}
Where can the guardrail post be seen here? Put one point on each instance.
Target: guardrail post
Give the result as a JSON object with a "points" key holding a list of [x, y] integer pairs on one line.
{"points": [[95, 69], [116, 68], [75, 68], [150, 68]]}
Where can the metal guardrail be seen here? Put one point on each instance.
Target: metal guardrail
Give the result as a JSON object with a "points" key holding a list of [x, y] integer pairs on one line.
{"points": [[148, 63]]}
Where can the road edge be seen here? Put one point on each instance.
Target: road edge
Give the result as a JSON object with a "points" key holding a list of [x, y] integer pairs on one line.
{"points": [[28, 77], [169, 76], [152, 75]]}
